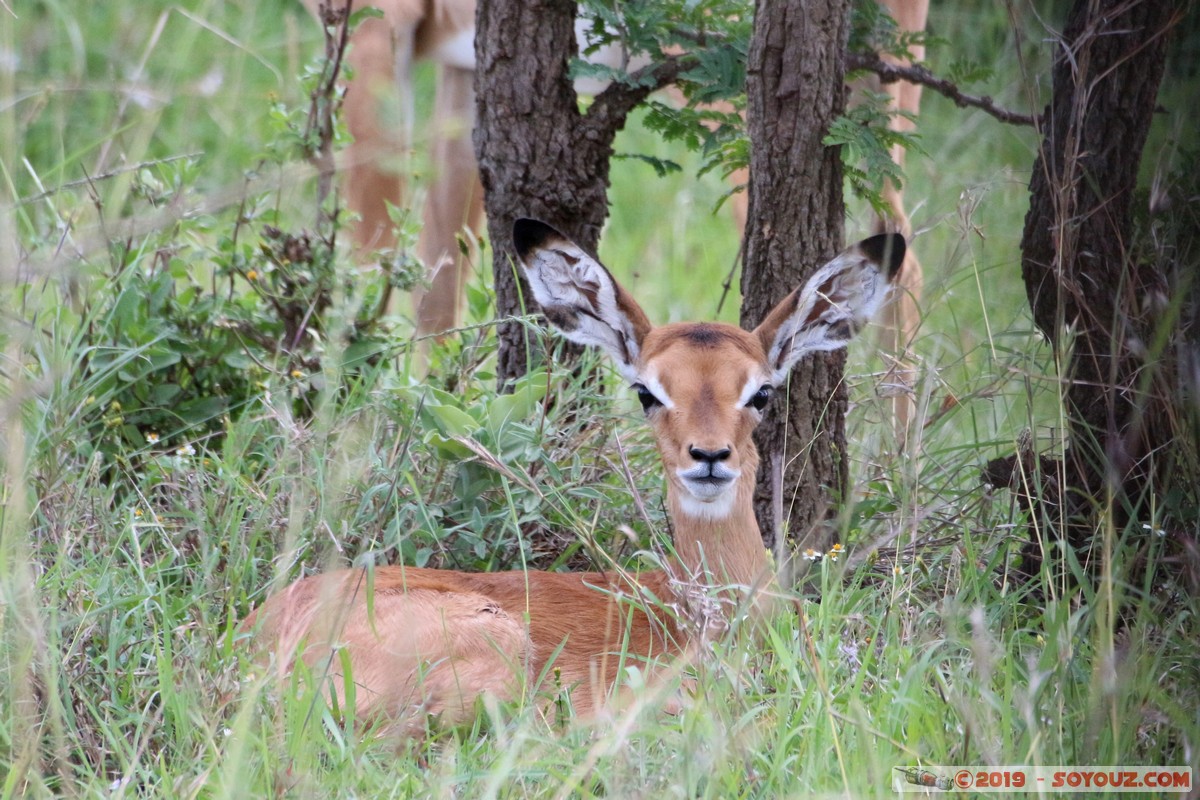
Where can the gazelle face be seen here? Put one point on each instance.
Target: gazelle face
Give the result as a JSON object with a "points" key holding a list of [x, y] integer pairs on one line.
{"points": [[704, 386]]}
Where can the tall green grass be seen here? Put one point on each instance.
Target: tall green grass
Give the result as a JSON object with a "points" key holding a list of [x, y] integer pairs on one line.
{"points": [[126, 563]]}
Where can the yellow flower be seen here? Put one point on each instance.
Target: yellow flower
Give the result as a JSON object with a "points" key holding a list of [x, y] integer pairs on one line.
{"points": [[252, 275], [137, 512], [297, 374]]}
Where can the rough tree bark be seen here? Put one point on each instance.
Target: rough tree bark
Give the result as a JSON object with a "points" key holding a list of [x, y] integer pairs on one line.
{"points": [[795, 88], [1090, 296], [539, 155]]}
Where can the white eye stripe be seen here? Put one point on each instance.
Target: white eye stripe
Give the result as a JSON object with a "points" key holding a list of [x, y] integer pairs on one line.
{"points": [[750, 389], [655, 388]]}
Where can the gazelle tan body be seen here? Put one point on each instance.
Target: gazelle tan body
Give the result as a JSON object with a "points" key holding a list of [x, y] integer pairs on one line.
{"points": [[422, 641]]}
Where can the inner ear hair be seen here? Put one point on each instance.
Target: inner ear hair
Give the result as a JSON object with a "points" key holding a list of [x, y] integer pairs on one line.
{"points": [[578, 295], [887, 250], [533, 234]]}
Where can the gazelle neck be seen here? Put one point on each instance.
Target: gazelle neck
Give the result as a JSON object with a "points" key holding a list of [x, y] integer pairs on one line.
{"points": [[723, 551], [705, 386]]}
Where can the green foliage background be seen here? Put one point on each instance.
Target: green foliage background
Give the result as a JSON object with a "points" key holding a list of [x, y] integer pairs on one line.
{"points": [[202, 402]]}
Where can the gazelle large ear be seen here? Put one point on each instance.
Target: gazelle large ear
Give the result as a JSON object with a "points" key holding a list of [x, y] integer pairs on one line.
{"points": [[834, 305], [579, 296]]}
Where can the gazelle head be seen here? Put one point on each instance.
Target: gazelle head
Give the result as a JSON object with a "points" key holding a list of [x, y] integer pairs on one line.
{"points": [[704, 385]]}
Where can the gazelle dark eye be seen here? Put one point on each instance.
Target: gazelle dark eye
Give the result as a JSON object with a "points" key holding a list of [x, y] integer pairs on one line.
{"points": [[646, 397], [758, 401]]}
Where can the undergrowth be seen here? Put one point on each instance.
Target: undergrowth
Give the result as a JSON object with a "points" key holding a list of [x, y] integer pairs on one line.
{"points": [[203, 401]]}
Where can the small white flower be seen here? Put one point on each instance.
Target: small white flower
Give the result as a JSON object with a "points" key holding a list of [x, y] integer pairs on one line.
{"points": [[186, 450], [210, 84]]}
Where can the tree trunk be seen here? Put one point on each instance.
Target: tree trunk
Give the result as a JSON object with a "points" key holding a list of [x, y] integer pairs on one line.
{"points": [[531, 161], [795, 88], [539, 156], [1094, 301]]}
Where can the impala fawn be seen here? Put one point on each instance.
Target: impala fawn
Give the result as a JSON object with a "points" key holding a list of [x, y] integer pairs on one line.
{"points": [[430, 642]]}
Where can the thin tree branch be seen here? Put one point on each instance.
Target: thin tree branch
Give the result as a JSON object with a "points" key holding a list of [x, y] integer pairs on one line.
{"points": [[325, 102], [890, 73], [610, 108], [102, 177]]}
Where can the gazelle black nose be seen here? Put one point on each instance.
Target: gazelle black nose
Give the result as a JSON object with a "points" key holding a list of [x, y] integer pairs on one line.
{"points": [[709, 456]]}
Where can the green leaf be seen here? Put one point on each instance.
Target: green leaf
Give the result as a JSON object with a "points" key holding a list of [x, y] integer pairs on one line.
{"points": [[453, 421], [518, 405], [358, 353], [427, 396], [661, 166], [964, 71], [201, 410], [367, 12], [447, 448], [237, 359], [165, 394]]}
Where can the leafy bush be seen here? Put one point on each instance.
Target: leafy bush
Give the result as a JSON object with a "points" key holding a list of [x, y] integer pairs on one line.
{"points": [[188, 326], [180, 337]]}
